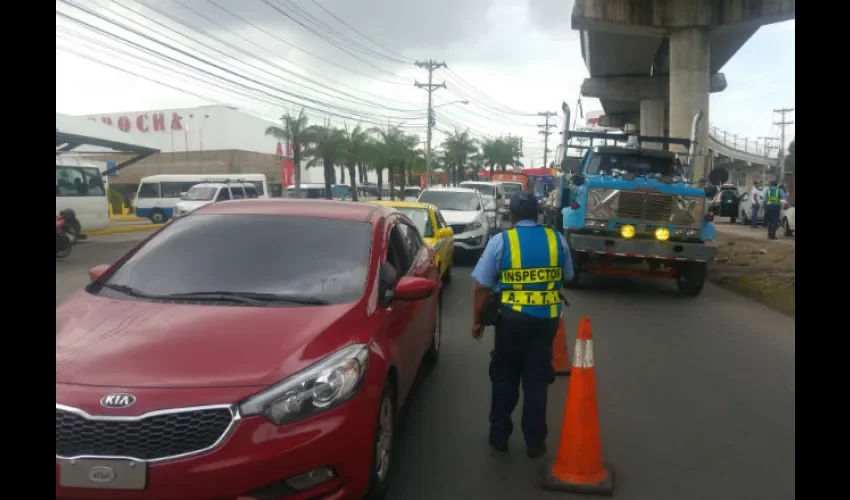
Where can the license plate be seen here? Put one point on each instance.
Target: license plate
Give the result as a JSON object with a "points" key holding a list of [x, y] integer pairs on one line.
{"points": [[103, 474]]}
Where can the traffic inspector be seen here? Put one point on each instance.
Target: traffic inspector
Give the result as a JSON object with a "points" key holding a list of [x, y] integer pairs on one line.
{"points": [[517, 289]]}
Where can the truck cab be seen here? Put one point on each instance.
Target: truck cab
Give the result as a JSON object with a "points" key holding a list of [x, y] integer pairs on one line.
{"points": [[631, 211]]}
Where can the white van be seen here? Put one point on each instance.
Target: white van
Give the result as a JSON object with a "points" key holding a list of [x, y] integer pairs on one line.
{"points": [[494, 201], [81, 187], [157, 194], [211, 192], [463, 210]]}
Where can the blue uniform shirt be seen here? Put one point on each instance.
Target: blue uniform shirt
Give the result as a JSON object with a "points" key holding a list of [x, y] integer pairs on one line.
{"points": [[487, 270]]}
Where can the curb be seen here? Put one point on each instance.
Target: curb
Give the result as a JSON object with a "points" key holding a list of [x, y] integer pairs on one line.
{"points": [[125, 218], [125, 229]]}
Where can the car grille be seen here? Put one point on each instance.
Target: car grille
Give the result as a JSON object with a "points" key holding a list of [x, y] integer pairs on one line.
{"points": [[150, 438], [645, 206], [458, 228]]}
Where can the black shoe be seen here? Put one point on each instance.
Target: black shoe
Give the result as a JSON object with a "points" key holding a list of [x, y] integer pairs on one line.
{"points": [[537, 452], [498, 446]]}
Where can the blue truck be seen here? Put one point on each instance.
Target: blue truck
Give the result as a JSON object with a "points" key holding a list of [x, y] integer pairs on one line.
{"points": [[630, 210]]}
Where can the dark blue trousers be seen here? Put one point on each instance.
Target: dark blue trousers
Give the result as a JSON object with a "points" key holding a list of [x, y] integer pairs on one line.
{"points": [[771, 218], [522, 353]]}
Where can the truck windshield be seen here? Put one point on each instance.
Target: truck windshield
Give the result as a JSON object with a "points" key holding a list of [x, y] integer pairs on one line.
{"points": [[512, 188], [609, 164]]}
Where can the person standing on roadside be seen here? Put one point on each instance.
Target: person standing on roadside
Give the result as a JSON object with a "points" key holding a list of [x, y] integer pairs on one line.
{"points": [[756, 198], [518, 280], [773, 197]]}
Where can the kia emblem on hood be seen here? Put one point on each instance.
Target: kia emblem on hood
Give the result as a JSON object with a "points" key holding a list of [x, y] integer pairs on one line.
{"points": [[118, 400]]}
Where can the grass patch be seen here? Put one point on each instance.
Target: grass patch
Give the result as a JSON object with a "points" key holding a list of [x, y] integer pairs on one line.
{"points": [[762, 271]]}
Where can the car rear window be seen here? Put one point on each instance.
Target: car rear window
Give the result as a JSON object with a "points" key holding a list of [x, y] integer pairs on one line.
{"points": [[278, 254]]}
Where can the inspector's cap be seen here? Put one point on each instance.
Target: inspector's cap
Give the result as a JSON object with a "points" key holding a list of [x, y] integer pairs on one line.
{"points": [[524, 205]]}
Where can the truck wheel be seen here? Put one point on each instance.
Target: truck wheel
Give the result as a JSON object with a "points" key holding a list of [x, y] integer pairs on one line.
{"points": [[690, 278], [573, 283]]}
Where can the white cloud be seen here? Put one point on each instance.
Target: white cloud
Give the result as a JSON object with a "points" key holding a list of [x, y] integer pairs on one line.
{"points": [[520, 53]]}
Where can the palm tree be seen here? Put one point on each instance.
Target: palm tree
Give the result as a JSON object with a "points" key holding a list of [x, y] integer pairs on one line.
{"points": [[391, 145], [325, 146], [459, 147], [293, 131], [355, 153]]}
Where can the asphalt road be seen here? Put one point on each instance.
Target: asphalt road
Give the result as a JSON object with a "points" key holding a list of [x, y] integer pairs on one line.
{"points": [[696, 396]]}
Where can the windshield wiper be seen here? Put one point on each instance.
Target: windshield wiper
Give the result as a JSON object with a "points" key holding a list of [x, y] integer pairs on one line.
{"points": [[246, 297], [126, 290]]}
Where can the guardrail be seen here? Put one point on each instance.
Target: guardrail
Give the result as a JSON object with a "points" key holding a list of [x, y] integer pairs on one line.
{"points": [[742, 144]]}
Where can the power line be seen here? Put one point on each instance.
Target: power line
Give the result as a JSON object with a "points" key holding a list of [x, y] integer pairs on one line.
{"points": [[546, 133], [408, 59], [430, 87]]}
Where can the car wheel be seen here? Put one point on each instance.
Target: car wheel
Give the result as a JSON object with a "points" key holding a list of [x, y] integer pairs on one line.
{"points": [[433, 354], [157, 217], [447, 274], [383, 446], [788, 231]]}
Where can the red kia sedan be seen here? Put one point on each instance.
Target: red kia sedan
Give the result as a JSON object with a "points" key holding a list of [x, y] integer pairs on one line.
{"points": [[254, 349]]}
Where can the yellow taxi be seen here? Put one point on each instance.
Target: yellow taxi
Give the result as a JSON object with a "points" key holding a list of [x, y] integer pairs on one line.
{"points": [[433, 229]]}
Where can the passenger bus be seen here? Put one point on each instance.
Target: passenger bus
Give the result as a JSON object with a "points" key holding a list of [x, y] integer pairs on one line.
{"points": [[81, 186], [317, 192], [157, 194]]}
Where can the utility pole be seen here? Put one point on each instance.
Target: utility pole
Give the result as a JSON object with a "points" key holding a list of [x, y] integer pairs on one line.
{"points": [[430, 87], [782, 123], [767, 147], [545, 132]]}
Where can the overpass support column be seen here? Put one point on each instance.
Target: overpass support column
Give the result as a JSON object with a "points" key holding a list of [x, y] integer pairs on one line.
{"points": [[689, 87], [652, 120]]}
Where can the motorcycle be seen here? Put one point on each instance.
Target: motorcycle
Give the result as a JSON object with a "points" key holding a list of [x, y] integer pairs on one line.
{"points": [[64, 239]]}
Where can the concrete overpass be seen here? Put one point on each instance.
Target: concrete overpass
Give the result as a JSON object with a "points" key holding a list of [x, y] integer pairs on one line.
{"points": [[654, 63]]}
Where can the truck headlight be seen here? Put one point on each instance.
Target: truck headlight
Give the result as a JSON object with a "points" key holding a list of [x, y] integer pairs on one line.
{"points": [[318, 388], [476, 225], [627, 231], [600, 223], [686, 231], [662, 234]]}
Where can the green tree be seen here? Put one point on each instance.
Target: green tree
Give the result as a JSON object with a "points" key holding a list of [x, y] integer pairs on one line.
{"points": [[325, 148], [459, 146], [355, 151], [789, 160], [293, 131]]}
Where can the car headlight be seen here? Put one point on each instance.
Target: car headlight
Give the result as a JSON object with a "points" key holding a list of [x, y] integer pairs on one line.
{"points": [[318, 388], [476, 225]]}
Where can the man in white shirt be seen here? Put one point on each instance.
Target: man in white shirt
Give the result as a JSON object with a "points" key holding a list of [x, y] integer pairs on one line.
{"points": [[756, 197]]}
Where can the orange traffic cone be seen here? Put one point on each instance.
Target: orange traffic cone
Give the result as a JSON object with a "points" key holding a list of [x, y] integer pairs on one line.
{"points": [[578, 467], [560, 352]]}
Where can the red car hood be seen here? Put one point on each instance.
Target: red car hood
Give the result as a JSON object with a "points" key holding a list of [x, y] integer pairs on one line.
{"points": [[128, 343]]}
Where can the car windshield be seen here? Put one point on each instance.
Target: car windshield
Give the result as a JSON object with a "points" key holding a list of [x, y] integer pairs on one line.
{"points": [[609, 164], [451, 200], [251, 254], [412, 192], [484, 189], [200, 193], [512, 188], [421, 219]]}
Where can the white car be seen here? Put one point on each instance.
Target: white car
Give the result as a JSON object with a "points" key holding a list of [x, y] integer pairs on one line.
{"points": [[464, 211], [746, 208], [789, 219], [494, 197], [210, 192]]}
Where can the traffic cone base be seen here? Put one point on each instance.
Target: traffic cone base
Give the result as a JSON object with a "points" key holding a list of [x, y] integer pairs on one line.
{"points": [[560, 353], [605, 487]]}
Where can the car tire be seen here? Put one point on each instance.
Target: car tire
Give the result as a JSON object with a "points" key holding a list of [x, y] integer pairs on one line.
{"points": [[433, 354], [157, 217], [690, 278], [447, 275], [382, 447], [788, 231]]}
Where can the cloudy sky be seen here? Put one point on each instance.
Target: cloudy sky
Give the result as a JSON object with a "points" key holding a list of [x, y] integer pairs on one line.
{"points": [[352, 60]]}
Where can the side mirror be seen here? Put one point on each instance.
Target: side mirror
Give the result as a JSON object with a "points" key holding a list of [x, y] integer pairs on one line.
{"points": [[577, 179], [97, 271], [710, 191], [411, 288], [445, 232]]}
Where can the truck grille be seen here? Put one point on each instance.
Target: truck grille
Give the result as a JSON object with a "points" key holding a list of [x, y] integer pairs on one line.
{"points": [[645, 206], [155, 437]]}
